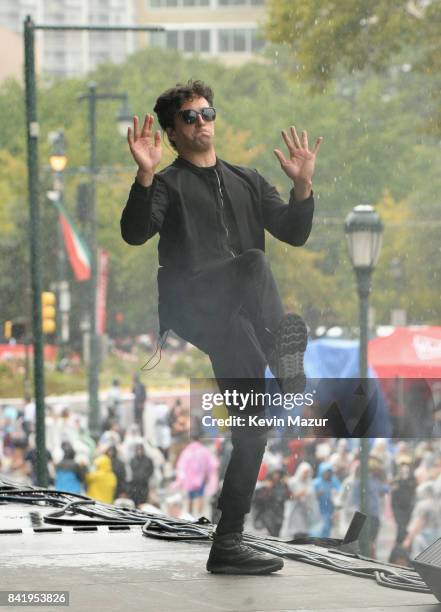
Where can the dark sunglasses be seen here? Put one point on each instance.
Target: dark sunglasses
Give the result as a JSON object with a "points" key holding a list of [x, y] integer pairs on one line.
{"points": [[190, 115]]}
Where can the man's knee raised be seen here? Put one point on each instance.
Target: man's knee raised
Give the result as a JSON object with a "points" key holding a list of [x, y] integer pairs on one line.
{"points": [[254, 259]]}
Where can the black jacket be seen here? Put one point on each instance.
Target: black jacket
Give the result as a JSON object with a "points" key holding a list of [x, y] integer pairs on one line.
{"points": [[196, 211]]}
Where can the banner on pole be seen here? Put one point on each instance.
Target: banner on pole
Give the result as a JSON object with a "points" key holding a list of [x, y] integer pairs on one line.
{"points": [[76, 248]]}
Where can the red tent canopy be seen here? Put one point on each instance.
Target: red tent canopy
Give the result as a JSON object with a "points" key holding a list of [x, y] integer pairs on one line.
{"points": [[409, 352]]}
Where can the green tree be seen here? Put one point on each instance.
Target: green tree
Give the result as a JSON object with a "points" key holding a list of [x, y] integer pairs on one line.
{"points": [[356, 34]]}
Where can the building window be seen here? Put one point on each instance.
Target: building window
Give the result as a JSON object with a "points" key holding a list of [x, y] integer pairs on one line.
{"points": [[240, 2], [177, 3], [239, 41], [171, 40], [188, 41], [100, 57]]}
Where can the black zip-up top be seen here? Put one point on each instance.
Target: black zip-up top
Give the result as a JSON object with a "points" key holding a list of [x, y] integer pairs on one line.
{"points": [[204, 215]]}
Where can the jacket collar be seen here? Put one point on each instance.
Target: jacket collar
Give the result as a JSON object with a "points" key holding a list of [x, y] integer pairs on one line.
{"points": [[180, 162]]}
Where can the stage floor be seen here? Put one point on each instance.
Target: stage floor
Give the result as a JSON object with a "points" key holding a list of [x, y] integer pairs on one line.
{"points": [[122, 570]]}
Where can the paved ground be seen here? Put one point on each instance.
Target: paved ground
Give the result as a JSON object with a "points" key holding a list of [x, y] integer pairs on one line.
{"points": [[116, 571]]}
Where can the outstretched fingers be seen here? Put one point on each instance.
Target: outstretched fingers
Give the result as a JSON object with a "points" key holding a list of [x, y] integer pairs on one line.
{"points": [[288, 141], [278, 153], [130, 137], [318, 142], [135, 127], [295, 137], [305, 143], [147, 126]]}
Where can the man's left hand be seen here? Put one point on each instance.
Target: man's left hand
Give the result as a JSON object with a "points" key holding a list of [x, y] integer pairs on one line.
{"points": [[301, 162]]}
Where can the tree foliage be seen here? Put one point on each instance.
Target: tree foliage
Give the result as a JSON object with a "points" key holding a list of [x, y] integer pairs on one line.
{"points": [[355, 34]]}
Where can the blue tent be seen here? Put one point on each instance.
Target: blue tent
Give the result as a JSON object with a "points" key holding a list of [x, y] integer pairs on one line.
{"points": [[332, 370]]}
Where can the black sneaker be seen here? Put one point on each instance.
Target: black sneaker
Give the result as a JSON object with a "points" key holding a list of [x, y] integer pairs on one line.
{"points": [[228, 555], [286, 362]]}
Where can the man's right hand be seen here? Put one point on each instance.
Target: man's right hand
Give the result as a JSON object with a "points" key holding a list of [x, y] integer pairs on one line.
{"points": [[145, 148]]}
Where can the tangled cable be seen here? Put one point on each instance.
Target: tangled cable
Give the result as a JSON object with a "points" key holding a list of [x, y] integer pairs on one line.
{"points": [[80, 510], [74, 509], [392, 576]]}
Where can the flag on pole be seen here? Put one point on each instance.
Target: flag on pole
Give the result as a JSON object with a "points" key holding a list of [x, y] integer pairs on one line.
{"points": [[76, 248]]}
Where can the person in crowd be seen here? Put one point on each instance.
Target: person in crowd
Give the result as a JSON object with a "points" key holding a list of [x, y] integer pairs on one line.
{"points": [[403, 488], [111, 437], [12, 428], [114, 399], [119, 469], [341, 459], [344, 500], [139, 398], [302, 512], [64, 426], [174, 507], [142, 470], [326, 485], [425, 469], [30, 458], [162, 427], [293, 454], [14, 464], [425, 523], [29, 414], [109, 419], [101, 482], [69, 475], [179, 422], [376, 489], [400, 556], [131, 440], [269, 502], [380, 451], [402, 453], [196, 473]]}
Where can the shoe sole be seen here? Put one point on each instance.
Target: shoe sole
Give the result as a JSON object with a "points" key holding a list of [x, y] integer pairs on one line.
{"points": [[292, 338], [231, 569]]}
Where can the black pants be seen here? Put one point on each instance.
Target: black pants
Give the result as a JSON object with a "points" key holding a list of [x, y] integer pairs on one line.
{"points": [[139, 417], [241, 310]]}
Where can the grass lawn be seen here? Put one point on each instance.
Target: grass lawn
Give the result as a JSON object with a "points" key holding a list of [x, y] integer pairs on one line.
{"points": [[114, 366]]}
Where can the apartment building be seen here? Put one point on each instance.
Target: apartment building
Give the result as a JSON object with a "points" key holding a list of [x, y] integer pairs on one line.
{"points": [[11, 55], [70, 53], [227, 29]]}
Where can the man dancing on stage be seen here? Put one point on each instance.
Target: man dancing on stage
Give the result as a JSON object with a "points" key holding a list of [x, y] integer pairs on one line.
{"points": [[216, 289]]}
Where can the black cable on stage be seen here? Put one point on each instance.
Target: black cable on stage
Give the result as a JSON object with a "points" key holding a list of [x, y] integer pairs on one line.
{"points": [[80, 510]]}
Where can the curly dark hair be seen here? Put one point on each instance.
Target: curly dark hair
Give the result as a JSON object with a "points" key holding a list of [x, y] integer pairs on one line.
{"points": [[171, 101]]}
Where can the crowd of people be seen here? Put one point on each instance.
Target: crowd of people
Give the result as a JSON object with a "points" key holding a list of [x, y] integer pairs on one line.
{"points": [[312, 487], [156, 462], [143, 457]]}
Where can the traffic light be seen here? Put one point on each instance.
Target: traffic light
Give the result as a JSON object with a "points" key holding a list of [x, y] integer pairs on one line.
{"points": [[14, 329], [48, 312], [7, 330]]}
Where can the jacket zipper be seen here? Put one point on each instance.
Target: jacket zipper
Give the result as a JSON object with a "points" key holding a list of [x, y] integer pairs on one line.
{"points": [[222, 215]]}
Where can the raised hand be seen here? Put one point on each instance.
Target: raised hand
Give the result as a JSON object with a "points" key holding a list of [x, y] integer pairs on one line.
{"points": [[301, 161], [145, 147]]}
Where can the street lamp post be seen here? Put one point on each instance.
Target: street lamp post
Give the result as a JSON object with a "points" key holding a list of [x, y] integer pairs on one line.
{"points": [[363, 228], [58, 162], [32, 139], [124, 117]]}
